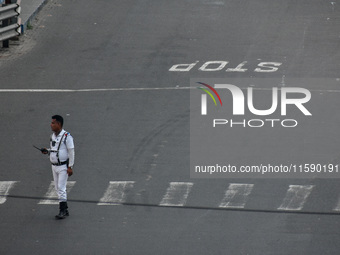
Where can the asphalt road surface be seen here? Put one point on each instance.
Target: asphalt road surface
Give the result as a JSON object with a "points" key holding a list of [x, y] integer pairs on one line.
{"points": [[119, 72]]}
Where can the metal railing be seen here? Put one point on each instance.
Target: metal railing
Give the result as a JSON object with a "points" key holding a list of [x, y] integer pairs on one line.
{"points": [[10, 28]]}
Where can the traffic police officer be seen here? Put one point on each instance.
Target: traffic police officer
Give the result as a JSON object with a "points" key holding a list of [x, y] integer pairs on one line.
{"points": [[61, 154]]}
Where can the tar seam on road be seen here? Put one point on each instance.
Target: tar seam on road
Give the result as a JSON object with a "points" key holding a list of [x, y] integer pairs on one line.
{"points": [[183, 207]]}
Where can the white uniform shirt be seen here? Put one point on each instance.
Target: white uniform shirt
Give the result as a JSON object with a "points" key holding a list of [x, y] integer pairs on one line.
{"points": [[64, 147]]}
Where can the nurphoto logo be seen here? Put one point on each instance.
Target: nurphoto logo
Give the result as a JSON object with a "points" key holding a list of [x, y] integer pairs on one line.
{"points": [[295, 96]]}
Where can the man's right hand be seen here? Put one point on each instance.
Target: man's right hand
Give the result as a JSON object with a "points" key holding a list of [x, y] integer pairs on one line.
{"points": [[44, 151]]}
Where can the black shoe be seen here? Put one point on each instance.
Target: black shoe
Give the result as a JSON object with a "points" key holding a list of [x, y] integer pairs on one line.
{"points": [[63, 212], [66, 211]]}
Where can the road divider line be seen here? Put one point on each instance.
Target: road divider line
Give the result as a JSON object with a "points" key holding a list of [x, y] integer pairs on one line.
{"points": [[5, 187], [116, 192], [296, 197], [177, 194], [51, 197], [236, 195], [86, 90]]}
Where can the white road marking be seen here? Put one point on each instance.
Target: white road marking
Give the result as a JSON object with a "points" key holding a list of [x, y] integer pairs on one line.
{"points": [[138, 89], [87, 90], [269, 67], [176, 194], [182, 67], [236, 195], [238, 68], [296, 197], [51, 195], [220, 66], [5, 187], [116, 192], [337, 208]]}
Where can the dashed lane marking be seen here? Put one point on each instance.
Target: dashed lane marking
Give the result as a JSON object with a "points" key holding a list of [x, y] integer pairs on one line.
{"points": [[115, 193], [337, 208], [296, 197], [236, 195], [51, 195], [5, 187], [176, 194]]}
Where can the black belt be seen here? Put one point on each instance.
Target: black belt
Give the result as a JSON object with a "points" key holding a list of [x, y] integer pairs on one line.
{"points": [[59, 164]]}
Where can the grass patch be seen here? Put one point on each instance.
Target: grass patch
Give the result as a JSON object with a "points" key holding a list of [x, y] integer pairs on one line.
{"points": [[29, 26]]}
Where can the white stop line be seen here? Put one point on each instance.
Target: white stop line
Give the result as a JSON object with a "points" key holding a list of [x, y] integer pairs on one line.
{"points": [[130, 89], [85, 90]]}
